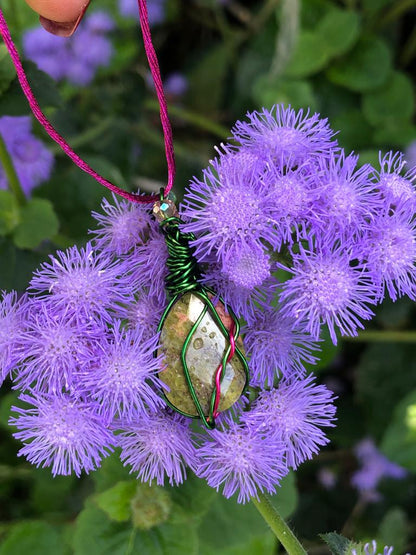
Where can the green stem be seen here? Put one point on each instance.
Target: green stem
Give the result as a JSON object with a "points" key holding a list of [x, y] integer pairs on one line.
{"points": [[190, 117], [396, 11], [9, 170], [88, 136], [279, 527], [384, 337]]}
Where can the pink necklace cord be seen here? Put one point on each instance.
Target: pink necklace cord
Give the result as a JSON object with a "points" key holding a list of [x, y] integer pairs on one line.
{"points": [[46, 124]]}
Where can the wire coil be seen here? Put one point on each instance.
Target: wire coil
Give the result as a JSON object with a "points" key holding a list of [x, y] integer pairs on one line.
{"points": [[183, 268]]}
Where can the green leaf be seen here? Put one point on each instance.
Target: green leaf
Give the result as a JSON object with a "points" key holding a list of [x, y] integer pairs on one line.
{"points": [[36, 538], [13, 101], [211, 68], [43, 86], [337, 543], [6, 403], [234, 525], [297, 93], [327, 354], [192, 499], [379, 390], [373, 6], [50, 494], [394, 530], [354, 130], [9, 212], [16, 265], [399, 440], [7, 71], [116, 501], [257, 545], [95, 534], [397, 133], [365, 68], [369, 156], [286, 498], [341, 29], [38, 222], [110, 472], [310, 55], [394, 101]]}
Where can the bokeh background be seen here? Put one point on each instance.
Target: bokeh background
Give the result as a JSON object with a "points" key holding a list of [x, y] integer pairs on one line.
{"points": [[353, 62]]}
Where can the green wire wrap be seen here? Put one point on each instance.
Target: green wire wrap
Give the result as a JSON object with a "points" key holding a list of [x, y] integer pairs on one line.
{"points": [[183, 268], [182, 278]]}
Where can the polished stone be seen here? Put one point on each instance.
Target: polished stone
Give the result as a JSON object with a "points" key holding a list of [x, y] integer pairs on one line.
{"points": [[204, 353]]}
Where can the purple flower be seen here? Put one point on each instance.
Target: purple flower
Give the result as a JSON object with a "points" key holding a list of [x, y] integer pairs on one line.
{"points": [[410, 154], [247, 267], [348, 195], [147, 265], [242, 300], [82, 282], [294, 412], [372, 549], [11, 326], [176, 84], [158, 446], [393, 184], [276, 345], [32, 161], [61, 432], [47, 51], [241, 461], [284, 134], [99, 22], [374, 467], [143, 315], [296, 192], [123, 379], [327, 478], [327, 289], [388, 248], [54, 347], [155, 10], [228, 212], [122, 226], [76, 58]]}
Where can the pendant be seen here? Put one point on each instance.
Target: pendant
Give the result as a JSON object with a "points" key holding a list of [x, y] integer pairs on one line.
{"points": [[205, 368]]}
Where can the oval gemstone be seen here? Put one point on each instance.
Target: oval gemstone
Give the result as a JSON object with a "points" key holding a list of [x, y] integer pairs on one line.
{"points": [[205, 351]]}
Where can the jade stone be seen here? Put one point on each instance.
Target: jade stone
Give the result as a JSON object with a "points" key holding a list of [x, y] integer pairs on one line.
{"points": [[205, 351]]}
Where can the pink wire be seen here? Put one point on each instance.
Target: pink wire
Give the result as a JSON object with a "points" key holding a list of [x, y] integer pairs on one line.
{"points": [[46, 124], [218, 372]]}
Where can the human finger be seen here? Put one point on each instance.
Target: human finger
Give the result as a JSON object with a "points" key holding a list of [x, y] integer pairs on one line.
{"points": [[59, 17]]}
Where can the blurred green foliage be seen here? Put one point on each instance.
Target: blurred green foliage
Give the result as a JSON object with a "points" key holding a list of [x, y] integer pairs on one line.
{"points": [[351, 61]]}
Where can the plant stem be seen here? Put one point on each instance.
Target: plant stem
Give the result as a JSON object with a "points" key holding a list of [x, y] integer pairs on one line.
{"points": [[279, 527], [383, 337], [191, 117], [11, 175]]}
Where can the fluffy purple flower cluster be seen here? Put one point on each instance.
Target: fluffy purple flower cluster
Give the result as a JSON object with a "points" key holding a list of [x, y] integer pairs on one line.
{"points": [[374, 467], [77, 58], [32, 161], [371, 548], [288, 200], [292, 235]]}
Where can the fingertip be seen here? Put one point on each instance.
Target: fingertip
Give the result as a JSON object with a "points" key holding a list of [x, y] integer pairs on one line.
{"points": [[58, 10]]}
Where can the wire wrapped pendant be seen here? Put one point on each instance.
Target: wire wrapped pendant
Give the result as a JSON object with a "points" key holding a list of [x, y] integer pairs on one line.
{"points": [[205, 368]]}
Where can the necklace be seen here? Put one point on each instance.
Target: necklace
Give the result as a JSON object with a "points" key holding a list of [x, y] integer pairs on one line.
{"points": [[205, 368]]}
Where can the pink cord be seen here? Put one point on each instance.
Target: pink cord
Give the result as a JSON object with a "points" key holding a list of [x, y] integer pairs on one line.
{"points": [[218, 372], [46, 124]]}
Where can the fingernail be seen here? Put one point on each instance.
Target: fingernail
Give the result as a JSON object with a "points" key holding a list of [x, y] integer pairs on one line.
{"points": [[65, 29]]}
